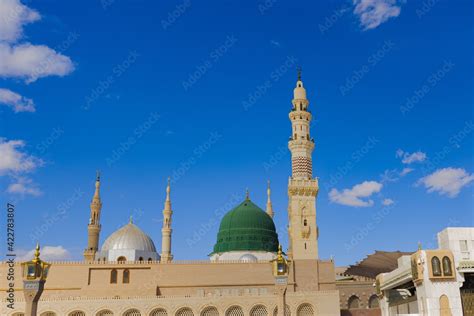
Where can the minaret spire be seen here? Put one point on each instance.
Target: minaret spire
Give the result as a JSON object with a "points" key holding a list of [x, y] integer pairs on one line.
{"points": [[302, 187], [269, 201], [166, 230], [93, 229]]}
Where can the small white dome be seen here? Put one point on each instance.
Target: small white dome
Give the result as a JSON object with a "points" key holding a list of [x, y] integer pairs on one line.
{"points": [[248, 258], [129, 237]]}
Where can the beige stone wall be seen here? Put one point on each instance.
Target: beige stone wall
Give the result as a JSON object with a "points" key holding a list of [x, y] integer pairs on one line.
{"points": [[195, 284], [322, 303]]}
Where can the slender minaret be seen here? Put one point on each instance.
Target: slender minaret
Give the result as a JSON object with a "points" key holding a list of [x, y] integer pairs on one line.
{"points": [[93, 229], [302, 188], [166, 255], [269, 201]]}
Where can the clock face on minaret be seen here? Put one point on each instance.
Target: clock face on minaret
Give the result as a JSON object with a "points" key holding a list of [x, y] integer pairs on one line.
{"points": [[302, 187]]}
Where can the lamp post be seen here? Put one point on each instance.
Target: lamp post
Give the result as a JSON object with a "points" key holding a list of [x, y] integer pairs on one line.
{"points": [[280, 272], [34, 277]]}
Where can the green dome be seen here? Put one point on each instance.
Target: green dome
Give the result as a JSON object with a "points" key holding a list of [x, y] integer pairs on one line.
{"points": [[246, 227]]}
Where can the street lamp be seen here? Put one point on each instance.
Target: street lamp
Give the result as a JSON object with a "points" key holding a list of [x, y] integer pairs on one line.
{"points": [[280, 272], [35, 273]]}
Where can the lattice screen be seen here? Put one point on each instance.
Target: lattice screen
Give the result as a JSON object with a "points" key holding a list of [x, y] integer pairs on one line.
{"points": [[48, 314], [185, 312], [132, 312], [259, 310], [77, 313], [305, 310], [105, 312], [159, 312], [210, 311], [234, 311]]}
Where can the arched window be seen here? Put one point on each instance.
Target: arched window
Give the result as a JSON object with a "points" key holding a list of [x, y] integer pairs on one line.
{"points": [[259, 310], [105, 312], [18, 314], [234, 311], [48, 314], [132, 312], [353, 302], [305, 222], [140, 259], [159, 312], [436, 266], [447, 269], [77, 313], [210, 311], [305, 310], [374, 301], [126, 276], [113, 276], [185, 311], [150, 260], [121, 259]]}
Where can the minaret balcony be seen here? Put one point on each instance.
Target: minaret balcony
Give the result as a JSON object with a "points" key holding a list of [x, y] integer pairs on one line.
{"points": [[308, 187], [300, 115], [303, 143]]}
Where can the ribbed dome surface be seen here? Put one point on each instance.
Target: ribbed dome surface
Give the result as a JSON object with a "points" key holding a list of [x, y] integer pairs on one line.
{"points": [[246, 227], [129, 237]]}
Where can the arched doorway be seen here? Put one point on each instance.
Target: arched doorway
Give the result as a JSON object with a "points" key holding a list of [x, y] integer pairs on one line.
{"points": [[444, 309], [353, 302]]}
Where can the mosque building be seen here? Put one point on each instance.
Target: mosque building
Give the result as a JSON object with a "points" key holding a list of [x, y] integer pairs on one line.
{"points": [[247, 274]]}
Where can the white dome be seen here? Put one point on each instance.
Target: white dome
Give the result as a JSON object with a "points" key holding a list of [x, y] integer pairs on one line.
{"points": [[129, 237], [248, 258]]}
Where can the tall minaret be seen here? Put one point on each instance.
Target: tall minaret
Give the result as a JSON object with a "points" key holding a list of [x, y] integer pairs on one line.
{"points": [[93, 229], [269, 201], [302, 188], [166, 255]]}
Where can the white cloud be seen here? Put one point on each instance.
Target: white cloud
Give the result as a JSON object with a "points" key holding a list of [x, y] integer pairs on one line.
{"points": [[13, 16], [408, 158], [354, 196], [47, 253], [406, 171], [387, 202], [24, 186], [31, 62], [372, 13], [447, 181], [13, 159], [15, 101]]}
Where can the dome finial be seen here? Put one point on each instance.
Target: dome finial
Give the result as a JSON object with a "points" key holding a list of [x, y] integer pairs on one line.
{"points": [[131, 219], [37, 253], [247, 194], [168, 189], [97, 176], [299, 70]]}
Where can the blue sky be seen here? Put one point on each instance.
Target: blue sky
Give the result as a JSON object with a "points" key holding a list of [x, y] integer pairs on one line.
{"points": [[201, 92]]}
